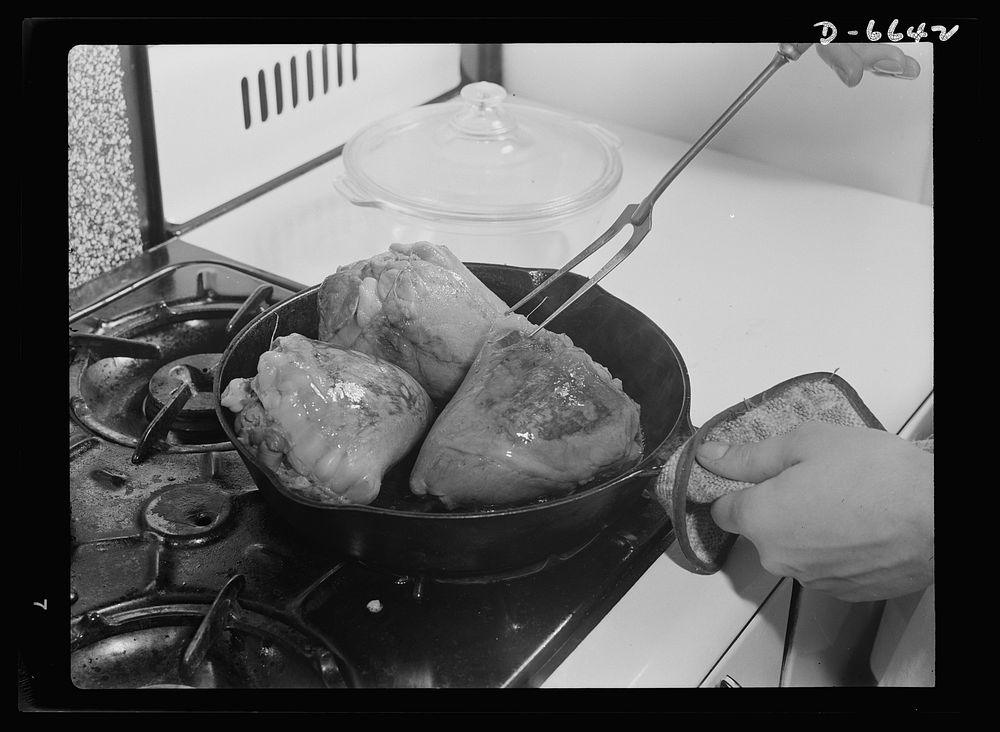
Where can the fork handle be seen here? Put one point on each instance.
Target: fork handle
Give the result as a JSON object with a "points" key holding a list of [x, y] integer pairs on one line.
{"points": [[792, 51], [786, 52]]}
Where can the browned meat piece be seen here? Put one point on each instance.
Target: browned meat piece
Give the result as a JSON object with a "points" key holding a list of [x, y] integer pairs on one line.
{"points": [[535, 417], [416, 306], [328, 421]]}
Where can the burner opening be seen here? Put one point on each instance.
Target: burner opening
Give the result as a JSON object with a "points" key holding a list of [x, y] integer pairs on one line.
{"points": [[192, 511], [202, 518], [196, 371]]}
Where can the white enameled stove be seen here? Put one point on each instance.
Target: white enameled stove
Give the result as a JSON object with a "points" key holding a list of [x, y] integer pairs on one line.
{"points": [[757, 274]]}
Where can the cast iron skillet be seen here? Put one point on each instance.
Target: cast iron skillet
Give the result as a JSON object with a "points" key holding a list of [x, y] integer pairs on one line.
{"points": [[406, 533]]}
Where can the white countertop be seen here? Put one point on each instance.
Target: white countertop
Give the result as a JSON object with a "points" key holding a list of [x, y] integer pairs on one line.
{"points": [[757, 275]]}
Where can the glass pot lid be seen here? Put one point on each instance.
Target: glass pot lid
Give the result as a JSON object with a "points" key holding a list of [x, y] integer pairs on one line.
{"points": [[479, 158]]}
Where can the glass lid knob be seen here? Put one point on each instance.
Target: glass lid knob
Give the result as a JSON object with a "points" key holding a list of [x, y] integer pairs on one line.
{"points": [[483, 114]]}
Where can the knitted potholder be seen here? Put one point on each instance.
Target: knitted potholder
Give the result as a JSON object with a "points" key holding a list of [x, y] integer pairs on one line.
{"points": [[686, 490]]}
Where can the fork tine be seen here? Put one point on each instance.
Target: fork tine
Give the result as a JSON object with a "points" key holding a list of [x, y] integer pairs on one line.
{"points": [[597, 244], [638, 234]]}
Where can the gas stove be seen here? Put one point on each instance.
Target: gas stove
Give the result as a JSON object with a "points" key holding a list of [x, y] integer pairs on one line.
{"points": [[182, 577]]}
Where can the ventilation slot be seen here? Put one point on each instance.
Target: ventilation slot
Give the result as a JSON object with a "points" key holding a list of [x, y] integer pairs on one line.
{"points": [[326, 70], [309, 74], [245, 87], [262, 86], [279, 100], [311, 90]]}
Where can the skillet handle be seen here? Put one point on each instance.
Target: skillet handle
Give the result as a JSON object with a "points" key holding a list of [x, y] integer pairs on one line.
{"points": [[681, 434]]}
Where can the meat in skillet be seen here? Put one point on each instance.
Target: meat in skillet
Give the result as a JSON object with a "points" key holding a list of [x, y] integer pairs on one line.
{"points": [[416, 306], [535, 417], [328, 421]]}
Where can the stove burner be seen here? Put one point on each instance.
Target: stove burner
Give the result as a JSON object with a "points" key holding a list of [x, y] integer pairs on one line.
{"points": [[142, 357], [163, 404], [195, 371], [188, 512], [184, 645]]}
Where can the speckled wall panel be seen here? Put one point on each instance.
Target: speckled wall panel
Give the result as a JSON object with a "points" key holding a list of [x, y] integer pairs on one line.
{"points": [[104, 226]]}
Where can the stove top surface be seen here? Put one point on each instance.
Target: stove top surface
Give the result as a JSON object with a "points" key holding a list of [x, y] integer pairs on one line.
{"points": [[182, 577]]}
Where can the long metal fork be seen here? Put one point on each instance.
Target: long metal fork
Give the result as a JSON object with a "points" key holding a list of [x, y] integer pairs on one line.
{"points": [[639, 215]]}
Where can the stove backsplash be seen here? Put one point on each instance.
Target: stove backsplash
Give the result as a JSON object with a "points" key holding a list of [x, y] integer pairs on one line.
{"points": [[104, 229]]}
